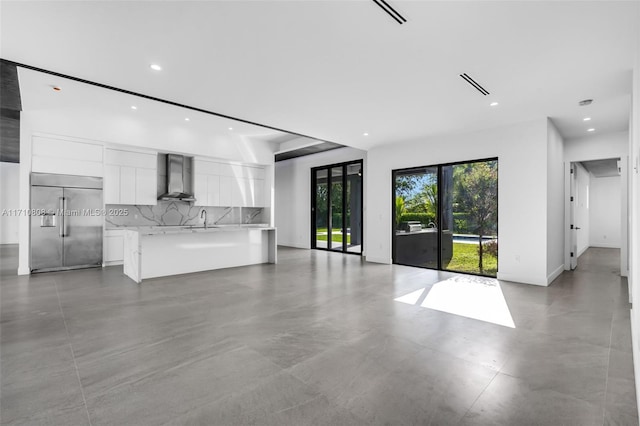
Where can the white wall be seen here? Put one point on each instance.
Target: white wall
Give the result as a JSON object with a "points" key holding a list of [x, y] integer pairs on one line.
{"points": [[604, 212], [634, 216], [597, 147], [522, 191], [293, 193], [10, 200], [555, 202], [582, 207]]}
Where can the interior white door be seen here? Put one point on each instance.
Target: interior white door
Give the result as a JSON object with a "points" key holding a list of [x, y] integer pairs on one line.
{"points": [[572, 218]]}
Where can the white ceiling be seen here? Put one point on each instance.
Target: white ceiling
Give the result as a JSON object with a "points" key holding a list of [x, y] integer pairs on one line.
{"points": [[336, 69]]}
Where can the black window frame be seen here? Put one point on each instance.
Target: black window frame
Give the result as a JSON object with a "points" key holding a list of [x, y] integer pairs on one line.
{"points": [[313, 235], [440, 167]]}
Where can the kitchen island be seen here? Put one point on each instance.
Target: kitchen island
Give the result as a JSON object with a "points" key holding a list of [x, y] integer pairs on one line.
{"points": [[163, 251]]}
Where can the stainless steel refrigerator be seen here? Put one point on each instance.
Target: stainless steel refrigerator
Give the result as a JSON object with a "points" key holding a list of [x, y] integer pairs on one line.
{"points": [[66, 222]]}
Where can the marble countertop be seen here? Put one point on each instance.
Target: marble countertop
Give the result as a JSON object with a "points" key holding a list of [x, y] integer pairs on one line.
{"points": [[186, 229]]}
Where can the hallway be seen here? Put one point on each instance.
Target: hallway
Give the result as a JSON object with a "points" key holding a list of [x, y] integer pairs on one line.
{"points": [[316, 339]]}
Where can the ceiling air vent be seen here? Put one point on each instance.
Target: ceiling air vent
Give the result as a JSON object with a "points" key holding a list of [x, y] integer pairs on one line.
{"points": [[391, 11], [474, 84]]}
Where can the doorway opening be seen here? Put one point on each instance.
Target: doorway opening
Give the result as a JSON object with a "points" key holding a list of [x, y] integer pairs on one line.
{"points": [[596, 209], [336, 207], [446, 217]]}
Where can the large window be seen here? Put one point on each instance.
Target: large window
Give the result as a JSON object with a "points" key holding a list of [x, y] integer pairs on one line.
{"points": [[336, 207], [446, 217]]}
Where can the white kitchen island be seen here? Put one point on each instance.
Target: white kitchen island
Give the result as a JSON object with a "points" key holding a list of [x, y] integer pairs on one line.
{"points": [[161, 252]]}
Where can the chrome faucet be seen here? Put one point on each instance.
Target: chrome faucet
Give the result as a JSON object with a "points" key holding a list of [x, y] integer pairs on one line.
{"points": [[203, 213]]}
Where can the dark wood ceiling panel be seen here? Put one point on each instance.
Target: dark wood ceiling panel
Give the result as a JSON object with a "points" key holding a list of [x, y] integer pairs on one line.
{"points": [[9, 88], [308, 150], [9, 140], [10, 107]]}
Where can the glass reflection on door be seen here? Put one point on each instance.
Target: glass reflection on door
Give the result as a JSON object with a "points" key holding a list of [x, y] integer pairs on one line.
{"points": [[354, 208], [321, 207], [335, 235], [416, 221], [470, 216]]}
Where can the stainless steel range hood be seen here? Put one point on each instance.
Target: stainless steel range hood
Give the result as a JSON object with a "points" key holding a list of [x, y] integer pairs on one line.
{"points": [[175, 180]]}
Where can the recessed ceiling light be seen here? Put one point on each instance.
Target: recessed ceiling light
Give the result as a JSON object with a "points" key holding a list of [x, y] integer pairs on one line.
{"points": [[586, 119], [187, 119], [230, 128], [591, 130], [493, 104], [365, 134], [155, 67], [134, 107], [585, 102]]}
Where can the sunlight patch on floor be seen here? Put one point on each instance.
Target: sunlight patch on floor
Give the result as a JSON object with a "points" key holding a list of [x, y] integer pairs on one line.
{"points": [[468, 296]]}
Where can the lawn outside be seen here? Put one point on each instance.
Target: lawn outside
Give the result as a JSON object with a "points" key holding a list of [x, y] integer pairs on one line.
{"points": [[465, 259], [336, 235]]}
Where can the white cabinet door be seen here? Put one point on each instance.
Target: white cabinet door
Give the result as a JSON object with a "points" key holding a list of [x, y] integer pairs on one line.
{"points": [[127, 185], [130, 159], [240, 193], [111, 184], [226, 189], [258, 192], [113, 247], [146, 187], [213, 190], [200, 189]]}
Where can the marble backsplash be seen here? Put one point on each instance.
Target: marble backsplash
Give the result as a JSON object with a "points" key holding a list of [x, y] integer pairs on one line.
{"points": [[167, 213]]}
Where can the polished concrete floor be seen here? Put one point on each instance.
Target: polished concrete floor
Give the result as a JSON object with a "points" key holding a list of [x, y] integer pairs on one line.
{"points": [[317, 339]]}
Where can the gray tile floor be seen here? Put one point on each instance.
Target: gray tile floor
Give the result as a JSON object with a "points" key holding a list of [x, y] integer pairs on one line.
{"points": [[316, 339]]}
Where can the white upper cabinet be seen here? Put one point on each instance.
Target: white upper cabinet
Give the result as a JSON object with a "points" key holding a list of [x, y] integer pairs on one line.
{"points": [[68, 157], [127, 185], [111, 184], [228, 185], [130, 177], [146, 186], [226, 189]]}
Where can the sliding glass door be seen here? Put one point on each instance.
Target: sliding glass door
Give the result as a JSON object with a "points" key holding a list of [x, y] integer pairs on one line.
{"points": [[336, 207], [416, 212], [446, 217]]}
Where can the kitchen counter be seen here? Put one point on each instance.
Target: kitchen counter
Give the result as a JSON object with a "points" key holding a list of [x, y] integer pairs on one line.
{"points": [[164, 250], [155, 230]]}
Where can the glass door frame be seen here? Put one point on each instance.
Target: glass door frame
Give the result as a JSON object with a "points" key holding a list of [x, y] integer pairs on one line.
{"points": [[345, 245], [440, 168]]}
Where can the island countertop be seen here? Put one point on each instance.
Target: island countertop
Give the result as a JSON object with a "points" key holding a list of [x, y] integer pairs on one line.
{"points": [[170, 250], [164, 229]]}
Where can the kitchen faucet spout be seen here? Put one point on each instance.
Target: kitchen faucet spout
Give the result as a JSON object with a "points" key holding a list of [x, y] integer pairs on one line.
{"points": [[203, 213]]}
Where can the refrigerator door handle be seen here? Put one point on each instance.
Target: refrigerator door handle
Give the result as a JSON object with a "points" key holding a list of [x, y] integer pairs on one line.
{"points": [[62, 204]]}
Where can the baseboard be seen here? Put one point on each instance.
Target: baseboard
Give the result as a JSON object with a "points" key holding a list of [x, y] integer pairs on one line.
{"points": [[373, 259], [581, 252], [281, 244], [520, 280], [555, 274], [616, 246]]}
